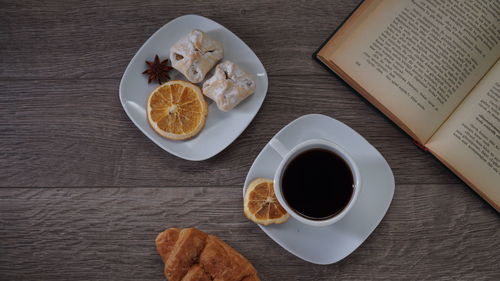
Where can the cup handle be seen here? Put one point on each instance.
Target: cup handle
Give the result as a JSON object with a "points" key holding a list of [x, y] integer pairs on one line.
{"points": [[279, 147]]}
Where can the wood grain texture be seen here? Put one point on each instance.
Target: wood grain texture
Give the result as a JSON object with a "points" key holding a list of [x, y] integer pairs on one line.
{"points": [[78, 133], [83, 192], [98, 39], [108, 234]]}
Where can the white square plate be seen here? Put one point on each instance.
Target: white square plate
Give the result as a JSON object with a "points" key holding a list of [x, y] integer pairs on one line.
{"points": [[221, 128]]}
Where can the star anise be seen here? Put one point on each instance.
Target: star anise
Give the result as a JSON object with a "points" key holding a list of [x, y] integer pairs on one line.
{"points": [[158, 70]]}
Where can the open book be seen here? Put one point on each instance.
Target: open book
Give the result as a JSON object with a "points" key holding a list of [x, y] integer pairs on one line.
{"points": [[432, 67]]}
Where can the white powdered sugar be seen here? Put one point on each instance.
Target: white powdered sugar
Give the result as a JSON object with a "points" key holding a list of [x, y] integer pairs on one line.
{"points": [[229, 85], [195, 54]]}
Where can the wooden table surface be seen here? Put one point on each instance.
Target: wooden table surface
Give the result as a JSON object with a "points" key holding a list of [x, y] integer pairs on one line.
{"points": [[84, 192]]}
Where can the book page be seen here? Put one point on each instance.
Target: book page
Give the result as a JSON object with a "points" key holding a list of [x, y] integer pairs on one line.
{"points": [[469, 141], [419, 58]]}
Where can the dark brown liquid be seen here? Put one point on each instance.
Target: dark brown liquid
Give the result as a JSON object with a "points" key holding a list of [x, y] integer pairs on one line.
{"points": [[317, 184]]}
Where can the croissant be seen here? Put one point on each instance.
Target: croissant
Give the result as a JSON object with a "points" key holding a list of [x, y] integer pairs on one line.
{"points": [[192, 255], [195, 54]]}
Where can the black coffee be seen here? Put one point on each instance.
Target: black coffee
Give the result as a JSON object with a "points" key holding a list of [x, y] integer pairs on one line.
{"points": [[317, 184]]}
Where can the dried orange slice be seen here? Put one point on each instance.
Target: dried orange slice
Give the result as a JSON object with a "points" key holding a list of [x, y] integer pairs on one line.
{"points": [[261, 205], [177, 110]]}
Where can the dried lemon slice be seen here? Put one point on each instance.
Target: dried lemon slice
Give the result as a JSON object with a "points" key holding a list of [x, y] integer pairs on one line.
{"points": [[261, 205], [177, 110]]}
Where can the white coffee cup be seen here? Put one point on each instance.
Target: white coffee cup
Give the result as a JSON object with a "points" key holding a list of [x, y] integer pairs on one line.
{"points": [[289, 154]]}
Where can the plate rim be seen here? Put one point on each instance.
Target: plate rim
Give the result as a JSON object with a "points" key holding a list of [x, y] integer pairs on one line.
{"points": [[165, 147]]}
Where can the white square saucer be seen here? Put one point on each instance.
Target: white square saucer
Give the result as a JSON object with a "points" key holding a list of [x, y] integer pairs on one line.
{"points": [[221, 128], [330, 244]]}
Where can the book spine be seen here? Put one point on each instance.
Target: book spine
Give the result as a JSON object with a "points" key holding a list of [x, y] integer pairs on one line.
{"points": [[421, 146]]}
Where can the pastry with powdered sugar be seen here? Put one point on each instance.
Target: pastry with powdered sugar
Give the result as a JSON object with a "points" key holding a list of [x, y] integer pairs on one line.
{"points": [[195, 54], [229, 85]]}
